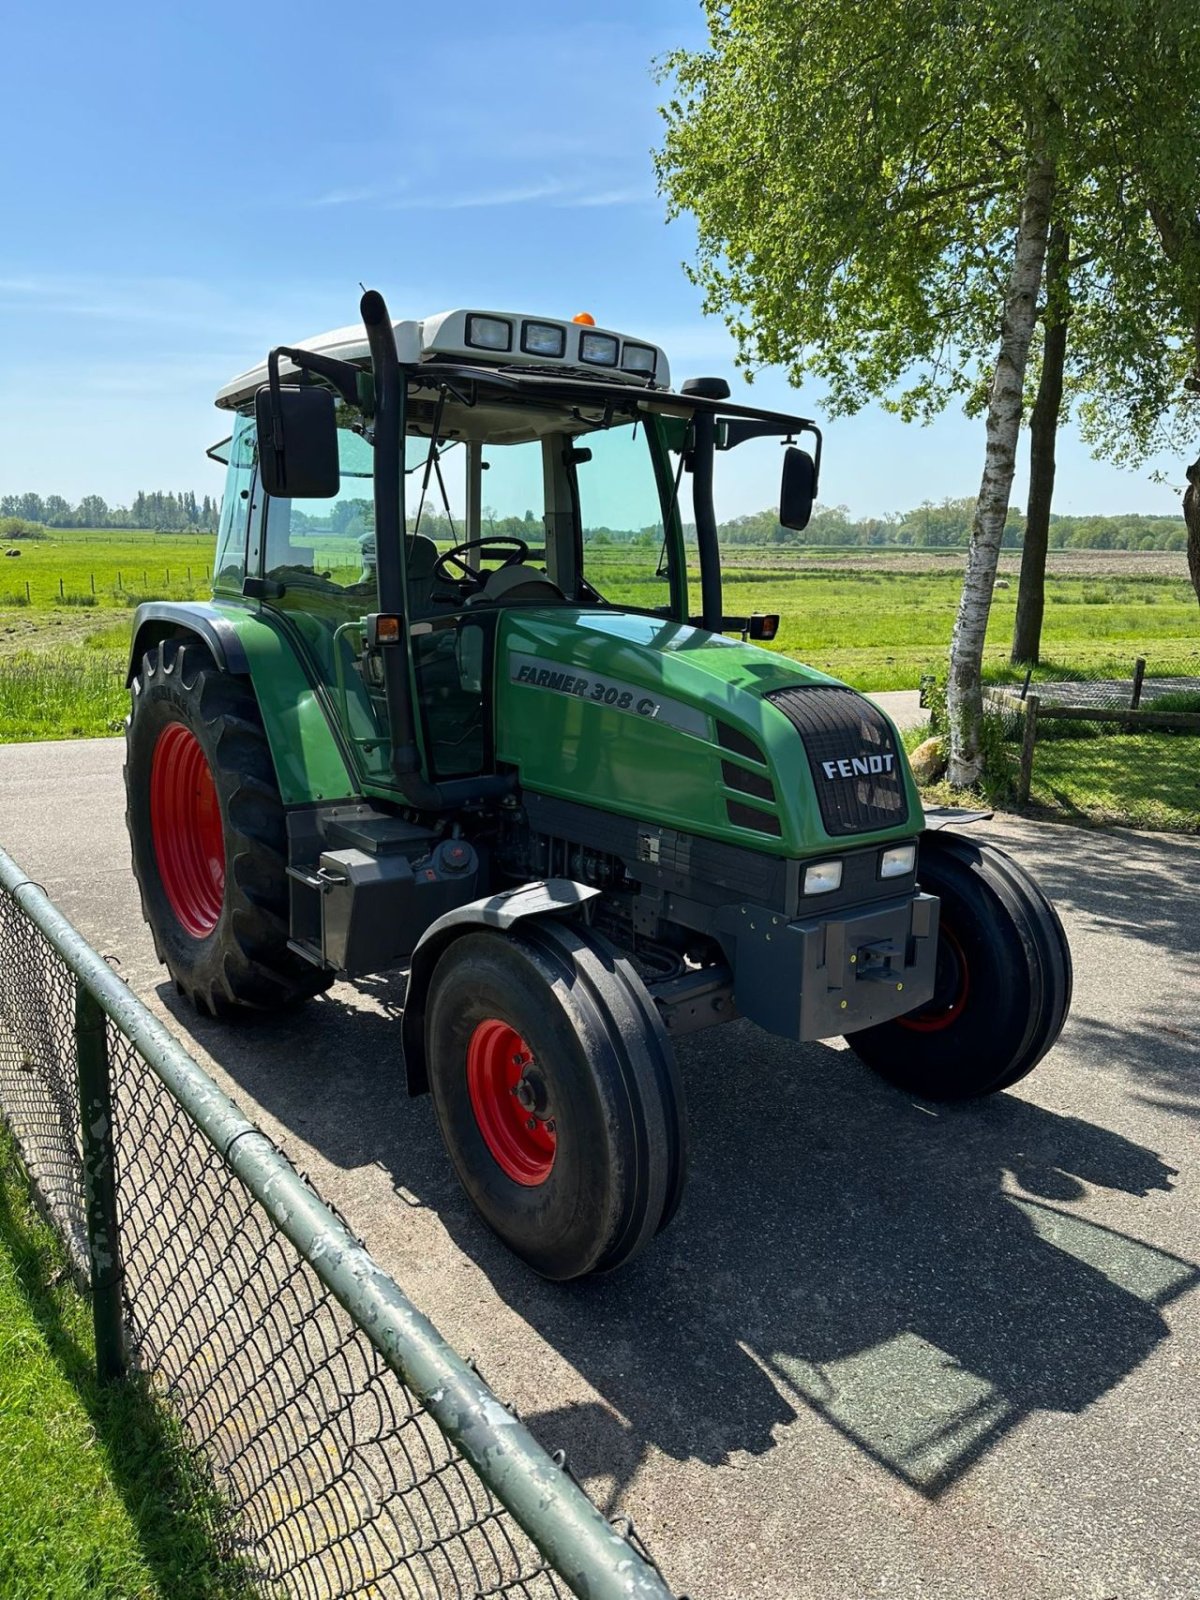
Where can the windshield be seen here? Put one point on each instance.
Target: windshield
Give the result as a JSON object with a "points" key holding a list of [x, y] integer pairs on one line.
{"points": [[588, 498]]}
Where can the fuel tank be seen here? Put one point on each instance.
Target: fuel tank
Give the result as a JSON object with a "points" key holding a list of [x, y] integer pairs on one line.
{"points": [[693, 730]]}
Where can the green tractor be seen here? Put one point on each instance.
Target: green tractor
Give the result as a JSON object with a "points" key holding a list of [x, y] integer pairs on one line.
{"points": [[460, 703]]}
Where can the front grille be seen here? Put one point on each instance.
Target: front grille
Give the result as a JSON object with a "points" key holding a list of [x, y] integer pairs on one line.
{"points": [[740, 743], [856, 767]]}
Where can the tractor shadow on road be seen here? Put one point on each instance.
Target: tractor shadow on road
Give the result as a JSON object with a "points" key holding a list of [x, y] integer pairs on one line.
{"points": [[1116, 878], [911, 1274]]}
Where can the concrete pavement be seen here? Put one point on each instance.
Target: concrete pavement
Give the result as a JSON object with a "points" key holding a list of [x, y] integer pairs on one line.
{"points": [[886, 1348]]}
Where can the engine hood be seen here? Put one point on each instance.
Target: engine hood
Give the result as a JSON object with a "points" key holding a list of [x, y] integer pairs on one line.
{"points": [[692, 729]]}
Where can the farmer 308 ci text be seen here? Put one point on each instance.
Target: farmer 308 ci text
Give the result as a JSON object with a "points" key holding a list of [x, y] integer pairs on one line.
{"points": [[444, 711]]}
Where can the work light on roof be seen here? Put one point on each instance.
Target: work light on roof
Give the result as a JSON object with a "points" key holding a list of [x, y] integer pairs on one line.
{"points": [[598, 349], [543, 339], [489, 333], [640, 358]]}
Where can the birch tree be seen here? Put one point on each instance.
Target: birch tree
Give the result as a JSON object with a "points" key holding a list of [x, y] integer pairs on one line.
{"points": [[873, 188]]}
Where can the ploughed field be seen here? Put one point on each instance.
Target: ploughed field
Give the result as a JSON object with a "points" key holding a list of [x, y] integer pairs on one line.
{"points": [[876, 618]]}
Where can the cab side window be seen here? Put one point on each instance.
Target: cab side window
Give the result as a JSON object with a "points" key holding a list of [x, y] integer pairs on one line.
{"points": [[327, 545], [229, 567]]}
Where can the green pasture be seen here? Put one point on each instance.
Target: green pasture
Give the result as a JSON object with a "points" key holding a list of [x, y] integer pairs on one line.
{"points": [[103, 568]]}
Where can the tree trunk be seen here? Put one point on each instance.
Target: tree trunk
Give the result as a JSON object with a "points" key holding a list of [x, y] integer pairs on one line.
{"points": [[1180, 236], [1043, 430], [1191, 516], [965, 690]]}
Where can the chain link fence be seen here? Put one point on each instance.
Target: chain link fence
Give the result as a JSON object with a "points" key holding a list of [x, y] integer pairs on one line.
{"points": [[1110, 681], [357, 1454]]}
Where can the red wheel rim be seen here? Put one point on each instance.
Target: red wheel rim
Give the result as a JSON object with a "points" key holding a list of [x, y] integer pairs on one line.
{"points": [[952, 986], [185, 824], [509, 1099]]}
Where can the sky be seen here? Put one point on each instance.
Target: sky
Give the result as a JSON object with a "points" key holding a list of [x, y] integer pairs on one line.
{"points": [[184, 186]]}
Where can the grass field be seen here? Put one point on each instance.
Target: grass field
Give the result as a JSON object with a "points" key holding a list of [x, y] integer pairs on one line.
{"points": [[113, 568], [98, 1498]]}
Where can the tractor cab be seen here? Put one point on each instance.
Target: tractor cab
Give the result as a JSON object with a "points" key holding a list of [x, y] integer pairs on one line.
{"points": [[543, 465]]}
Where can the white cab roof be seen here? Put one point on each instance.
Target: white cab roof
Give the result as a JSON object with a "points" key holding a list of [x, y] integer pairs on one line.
{"points": [[446, 335]]}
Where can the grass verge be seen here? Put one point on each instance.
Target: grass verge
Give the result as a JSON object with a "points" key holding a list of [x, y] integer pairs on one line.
{"points": [[75, 692], [1091, 775], [1132, 780], [99, 1497]]}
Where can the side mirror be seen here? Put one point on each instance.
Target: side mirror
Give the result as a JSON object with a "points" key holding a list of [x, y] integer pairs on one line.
{"points": [[798, 489], [297, 443]]}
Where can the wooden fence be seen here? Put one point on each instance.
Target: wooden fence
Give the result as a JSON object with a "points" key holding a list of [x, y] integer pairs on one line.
{"points": [[1030, 708]]}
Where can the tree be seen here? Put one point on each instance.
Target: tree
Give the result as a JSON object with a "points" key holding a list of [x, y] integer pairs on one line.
{"points": [[1149, 342], [874, 188], [1043, 433]]}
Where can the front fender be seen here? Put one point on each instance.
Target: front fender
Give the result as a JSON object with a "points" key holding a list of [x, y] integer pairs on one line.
{"points": [[547, 897]]}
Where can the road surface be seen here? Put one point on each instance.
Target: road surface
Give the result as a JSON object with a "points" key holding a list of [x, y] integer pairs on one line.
{"points": [[886, 1348]]}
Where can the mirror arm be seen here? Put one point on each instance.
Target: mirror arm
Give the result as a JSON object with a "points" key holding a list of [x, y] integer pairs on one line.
{"points": [[343, 376], [738, 429]]}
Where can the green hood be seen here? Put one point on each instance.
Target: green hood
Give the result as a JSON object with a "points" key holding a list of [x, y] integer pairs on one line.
{"points": [[666, 723]]}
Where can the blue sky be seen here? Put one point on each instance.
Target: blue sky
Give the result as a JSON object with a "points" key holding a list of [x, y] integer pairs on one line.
{"points": [[185, 185]]}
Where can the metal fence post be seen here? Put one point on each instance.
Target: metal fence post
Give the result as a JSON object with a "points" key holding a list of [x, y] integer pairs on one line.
{"points": [[100, 1182], [1028, 740]]}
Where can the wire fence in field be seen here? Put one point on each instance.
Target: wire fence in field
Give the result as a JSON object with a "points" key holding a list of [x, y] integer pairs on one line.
{"points": [[357, 1454], [128, 586], [1132, 683]]}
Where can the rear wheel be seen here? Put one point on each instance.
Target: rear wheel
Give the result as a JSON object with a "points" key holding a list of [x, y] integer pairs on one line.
{"points": [[1002, 986], [208, 836], [557, 1094]]}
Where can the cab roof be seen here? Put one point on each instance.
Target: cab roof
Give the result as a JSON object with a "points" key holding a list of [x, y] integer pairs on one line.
{"points": [[533, 342]]}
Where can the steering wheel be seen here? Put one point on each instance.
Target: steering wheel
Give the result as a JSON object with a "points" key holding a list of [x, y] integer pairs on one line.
{"points": [[518, 551]]}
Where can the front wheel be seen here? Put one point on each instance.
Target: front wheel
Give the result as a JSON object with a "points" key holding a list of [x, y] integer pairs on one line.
{"points": [[1002, 986], [557, 1094]]}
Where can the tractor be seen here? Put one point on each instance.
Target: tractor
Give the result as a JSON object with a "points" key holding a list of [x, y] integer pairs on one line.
{"points": [[466, 700]]}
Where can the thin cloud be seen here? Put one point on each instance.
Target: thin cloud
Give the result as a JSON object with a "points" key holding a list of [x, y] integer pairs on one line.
{"points": [[515, 195], [362, 195], [609, 197]]}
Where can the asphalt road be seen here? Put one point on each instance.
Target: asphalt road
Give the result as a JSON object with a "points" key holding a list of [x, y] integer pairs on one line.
{"points": [[886, 1348]]}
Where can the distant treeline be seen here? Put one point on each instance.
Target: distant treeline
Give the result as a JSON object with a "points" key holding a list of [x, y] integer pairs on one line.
{"points": [[169, 512], [946, 525]]}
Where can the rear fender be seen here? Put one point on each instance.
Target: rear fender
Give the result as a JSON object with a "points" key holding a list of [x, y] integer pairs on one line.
{"points": [[157, 620], [549, 897], [310, 763]]}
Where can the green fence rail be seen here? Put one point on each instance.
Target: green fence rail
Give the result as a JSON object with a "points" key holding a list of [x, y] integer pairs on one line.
{"points": [[358, 1453]]}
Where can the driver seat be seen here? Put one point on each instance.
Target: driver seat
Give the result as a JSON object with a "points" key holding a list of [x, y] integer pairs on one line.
{"points": [[516, 582], [420, 558]]}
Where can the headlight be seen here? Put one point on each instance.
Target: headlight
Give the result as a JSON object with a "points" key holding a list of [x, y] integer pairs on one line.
{"points": [[600, 349], [898, 861], [543, 339], [823, 877], [489, 333]]}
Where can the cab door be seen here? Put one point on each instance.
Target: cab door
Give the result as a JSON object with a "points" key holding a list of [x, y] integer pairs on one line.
{"points": [[312, 566]]}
